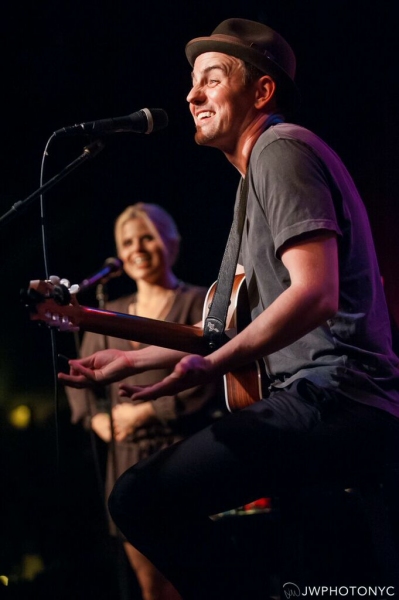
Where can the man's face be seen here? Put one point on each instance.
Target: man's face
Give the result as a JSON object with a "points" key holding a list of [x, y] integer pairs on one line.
{"points": [[221, 104]]}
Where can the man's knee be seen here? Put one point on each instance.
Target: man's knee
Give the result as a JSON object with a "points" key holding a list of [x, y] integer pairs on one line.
{"points": [[116, 504], [130, 500], [123, 502]]}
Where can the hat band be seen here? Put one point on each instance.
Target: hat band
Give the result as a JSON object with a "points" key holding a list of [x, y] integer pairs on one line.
{"points": [[221, 37]]}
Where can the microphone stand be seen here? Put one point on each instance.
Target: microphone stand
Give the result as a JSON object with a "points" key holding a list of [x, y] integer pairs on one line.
{"points": [[89, 151]]}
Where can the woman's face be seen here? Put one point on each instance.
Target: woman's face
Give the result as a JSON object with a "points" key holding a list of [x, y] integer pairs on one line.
{"points": [[142, 251]]}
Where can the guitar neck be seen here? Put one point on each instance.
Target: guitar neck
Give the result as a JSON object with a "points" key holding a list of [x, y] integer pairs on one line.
{"points": [[175, 336], [243, 387]]}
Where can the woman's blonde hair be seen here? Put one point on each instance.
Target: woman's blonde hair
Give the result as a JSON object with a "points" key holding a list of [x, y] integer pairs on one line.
{"points": [[158, 219]]}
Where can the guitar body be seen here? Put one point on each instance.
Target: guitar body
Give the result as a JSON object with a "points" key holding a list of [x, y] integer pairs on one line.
{"points": [[243, 387]]}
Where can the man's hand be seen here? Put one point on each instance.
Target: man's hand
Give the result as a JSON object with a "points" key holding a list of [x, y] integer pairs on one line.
{"points": [[102, 367], [191, 371], [128, 417]]}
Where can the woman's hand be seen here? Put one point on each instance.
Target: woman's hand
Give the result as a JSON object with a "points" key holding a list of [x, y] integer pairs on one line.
{"points": [[101, 367], [101, 425], [128, 417]]}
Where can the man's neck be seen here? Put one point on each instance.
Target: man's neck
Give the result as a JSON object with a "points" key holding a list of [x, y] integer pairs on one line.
{"points": [[242, 153]]}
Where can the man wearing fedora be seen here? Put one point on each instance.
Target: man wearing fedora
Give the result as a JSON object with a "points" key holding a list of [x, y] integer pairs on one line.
{"points": [[319, 324]]}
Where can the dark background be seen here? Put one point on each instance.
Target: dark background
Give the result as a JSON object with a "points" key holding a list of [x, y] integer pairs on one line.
{"points": [[64, 63]]}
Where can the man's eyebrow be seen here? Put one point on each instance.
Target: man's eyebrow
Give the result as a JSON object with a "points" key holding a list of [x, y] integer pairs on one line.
{"points": [[210, 68]]}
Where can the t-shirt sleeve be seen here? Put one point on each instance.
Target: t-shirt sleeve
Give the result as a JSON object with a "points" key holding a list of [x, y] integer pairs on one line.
{"points": [[293, 189]]}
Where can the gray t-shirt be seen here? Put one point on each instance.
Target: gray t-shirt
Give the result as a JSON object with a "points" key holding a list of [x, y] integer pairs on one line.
{"points": [[298, 185]]}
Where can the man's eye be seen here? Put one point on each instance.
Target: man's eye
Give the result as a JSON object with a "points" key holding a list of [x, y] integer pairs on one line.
{"points": [[213, 81]]}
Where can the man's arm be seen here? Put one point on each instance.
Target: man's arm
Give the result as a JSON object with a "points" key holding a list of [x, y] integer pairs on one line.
{"points": [[107, 366], [310, 300]]}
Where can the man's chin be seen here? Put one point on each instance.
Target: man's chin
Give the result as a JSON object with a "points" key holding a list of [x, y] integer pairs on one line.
{"points": [[203, 140]]}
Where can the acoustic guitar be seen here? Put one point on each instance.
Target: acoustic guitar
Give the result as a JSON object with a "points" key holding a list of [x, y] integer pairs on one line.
{"points": [[53, 305]]}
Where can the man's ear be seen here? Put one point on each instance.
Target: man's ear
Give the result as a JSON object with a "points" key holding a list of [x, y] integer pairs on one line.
{"points": [[265, 91]]}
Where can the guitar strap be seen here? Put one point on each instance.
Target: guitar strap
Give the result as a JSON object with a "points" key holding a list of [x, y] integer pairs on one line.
{"points": [[215, 322]]}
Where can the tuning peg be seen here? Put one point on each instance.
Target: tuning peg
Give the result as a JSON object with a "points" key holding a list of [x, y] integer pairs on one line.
{"points": [[55, 280], [74, 289], [65, 282], [61, 294]]}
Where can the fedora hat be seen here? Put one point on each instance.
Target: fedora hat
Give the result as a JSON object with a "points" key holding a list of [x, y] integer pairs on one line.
{"points": [[256, 44]]}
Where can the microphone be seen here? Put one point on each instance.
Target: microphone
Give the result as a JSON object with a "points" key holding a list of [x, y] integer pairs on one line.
{"points": [[112, 268], [145, 120]]}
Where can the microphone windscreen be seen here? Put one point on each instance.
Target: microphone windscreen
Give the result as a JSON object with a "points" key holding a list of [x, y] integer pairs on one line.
{"points": [[160, 118], [115, 263]]}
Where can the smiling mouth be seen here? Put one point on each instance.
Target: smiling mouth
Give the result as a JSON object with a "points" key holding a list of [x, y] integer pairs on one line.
{"points": [[204, 116], [139, 260]]}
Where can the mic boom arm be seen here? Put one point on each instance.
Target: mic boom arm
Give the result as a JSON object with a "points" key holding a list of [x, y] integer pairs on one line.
{"points": [[89, 151]]}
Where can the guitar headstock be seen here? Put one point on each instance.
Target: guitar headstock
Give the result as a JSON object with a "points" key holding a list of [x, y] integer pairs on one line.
{"points": [[53, 302]]}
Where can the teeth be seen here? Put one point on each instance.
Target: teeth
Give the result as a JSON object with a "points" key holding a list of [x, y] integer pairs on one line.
{"points": [[204, 115], [140, 259]]}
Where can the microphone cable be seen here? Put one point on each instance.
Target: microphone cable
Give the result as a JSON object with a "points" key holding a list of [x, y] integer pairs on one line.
{"points": [[57, 466], [43, 225]]}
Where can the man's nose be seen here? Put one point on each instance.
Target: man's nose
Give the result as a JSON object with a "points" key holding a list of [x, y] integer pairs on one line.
{"points": [[196, 95]]}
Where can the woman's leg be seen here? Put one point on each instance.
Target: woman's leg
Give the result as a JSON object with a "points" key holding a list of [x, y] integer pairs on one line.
{"points": [[152, 583]]}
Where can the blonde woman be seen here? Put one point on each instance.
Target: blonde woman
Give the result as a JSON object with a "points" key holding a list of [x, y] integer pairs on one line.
{"points": [[147, 242]]}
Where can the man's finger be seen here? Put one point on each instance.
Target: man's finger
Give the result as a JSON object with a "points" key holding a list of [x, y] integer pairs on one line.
{"points": [[72, 380], [78, 368], [167, 387]]}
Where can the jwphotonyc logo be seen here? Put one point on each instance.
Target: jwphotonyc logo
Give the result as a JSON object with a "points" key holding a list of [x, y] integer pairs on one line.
{"points": [[291, 590]]}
